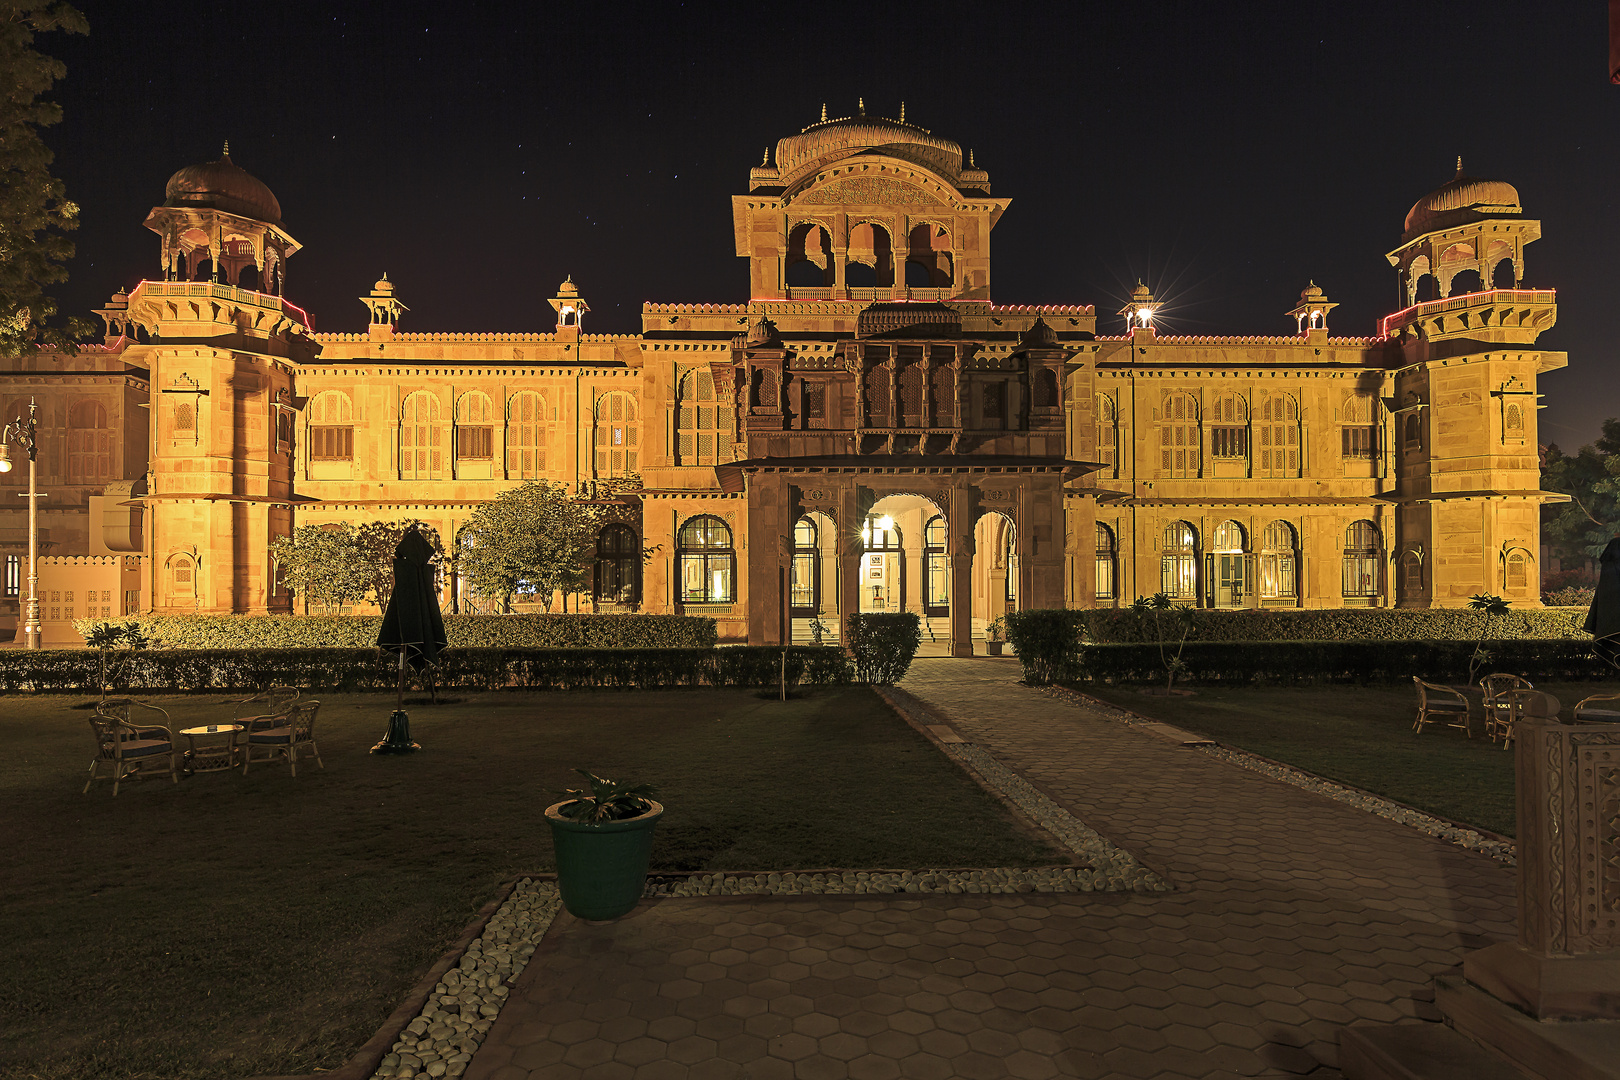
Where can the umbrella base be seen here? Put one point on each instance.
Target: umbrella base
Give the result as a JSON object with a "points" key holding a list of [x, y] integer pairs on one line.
{"points": [[398, 740]]}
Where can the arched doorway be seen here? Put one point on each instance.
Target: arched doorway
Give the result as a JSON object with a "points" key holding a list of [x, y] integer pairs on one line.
{"points": [[904, 565], [995, 566], [883, 565], [1228, 556]]}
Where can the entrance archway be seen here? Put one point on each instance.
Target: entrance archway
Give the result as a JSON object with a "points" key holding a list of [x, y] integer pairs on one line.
{"points": [[903, 564], [995, 566]]}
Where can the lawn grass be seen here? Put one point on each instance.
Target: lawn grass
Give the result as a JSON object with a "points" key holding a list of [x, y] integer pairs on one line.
{"points": [[1358, 735], [233, 926]]}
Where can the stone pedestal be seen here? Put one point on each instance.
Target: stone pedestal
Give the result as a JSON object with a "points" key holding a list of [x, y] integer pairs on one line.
{"points": [[1548, 1005]]}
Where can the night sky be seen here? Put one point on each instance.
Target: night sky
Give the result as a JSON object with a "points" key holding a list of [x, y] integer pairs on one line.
{"points": [[1226, 153]]}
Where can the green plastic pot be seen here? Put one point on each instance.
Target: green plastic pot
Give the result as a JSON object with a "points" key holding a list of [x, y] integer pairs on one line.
{"points": [[602, 866]]}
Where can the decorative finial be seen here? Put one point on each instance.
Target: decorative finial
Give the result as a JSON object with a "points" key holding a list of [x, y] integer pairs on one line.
{"points": [[1312, 285], [823, 112], [1459, 164], [971, 165], [862, 102], [765, 161], [227, 151], [902, 112]]}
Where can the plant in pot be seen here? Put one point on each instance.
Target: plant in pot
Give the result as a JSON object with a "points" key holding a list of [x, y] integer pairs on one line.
{"points": [[994, 634], [603, 835]]}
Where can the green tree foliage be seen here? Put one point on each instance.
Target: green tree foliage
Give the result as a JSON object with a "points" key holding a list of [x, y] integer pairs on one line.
{"points": [[35, 213], [1582, 527], [379, 539], [531, 539], [325, 564]]}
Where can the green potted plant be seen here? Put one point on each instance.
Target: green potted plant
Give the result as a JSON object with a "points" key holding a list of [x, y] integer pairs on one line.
{"points": [[603, 837], [994, 633]]}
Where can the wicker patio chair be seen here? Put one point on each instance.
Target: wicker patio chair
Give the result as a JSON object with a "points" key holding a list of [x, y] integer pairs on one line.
{"points": [[1500, 710], [262, 710], [127, 749], [292, 735], [1585, 713], [1435, 703]]}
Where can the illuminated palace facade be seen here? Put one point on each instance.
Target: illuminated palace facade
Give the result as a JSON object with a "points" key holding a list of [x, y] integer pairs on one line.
{"points": [[868, 432]]}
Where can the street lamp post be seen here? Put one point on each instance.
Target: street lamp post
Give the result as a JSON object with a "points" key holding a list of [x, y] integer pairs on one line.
{"points": [[21, 432]]}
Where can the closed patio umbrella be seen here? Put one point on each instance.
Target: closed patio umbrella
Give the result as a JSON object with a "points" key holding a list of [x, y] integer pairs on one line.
{"points": [[412, 627], [1603, 618]]}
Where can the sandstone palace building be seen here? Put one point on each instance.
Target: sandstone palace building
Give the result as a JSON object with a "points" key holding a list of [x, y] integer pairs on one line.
{"points": [[869, 430]]}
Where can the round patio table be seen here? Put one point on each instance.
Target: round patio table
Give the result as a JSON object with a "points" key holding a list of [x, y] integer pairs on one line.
{"points": [[211, 748]]}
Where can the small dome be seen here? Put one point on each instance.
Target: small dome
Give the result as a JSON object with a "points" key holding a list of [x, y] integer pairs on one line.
{"points": [[1460, 200], [222, 185], [383, 285], [1141, 294], [1313, 291], [821, 143], [568, 288], [1039, 336]]}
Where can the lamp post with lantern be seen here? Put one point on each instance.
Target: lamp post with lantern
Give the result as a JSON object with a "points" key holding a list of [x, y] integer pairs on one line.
{"points": [[21, 432]]}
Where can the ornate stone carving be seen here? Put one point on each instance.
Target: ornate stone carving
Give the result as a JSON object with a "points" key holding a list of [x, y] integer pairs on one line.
{"points": [[869, 191]]}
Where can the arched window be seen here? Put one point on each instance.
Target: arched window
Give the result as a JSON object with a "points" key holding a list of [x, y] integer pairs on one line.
{"points": [[1359, 436], [994, 408], [928, 256], [1178, 563], [475, 427], [90, 453], [1414, 430], [804, 584], [1045, 389], [943, 391], [1516, 571], [1361, 544], [1279, 436], [1107, 561], [1513, 423], [809, 262], [421, 438], [936, 568], [1179, 446], [1108, 435], [618, 431], [1229, 428], [331, 427], [911, 394], [708, 561], [1278, 559], [1230, 538], [871, 257], [182, 578], [1411, 574], [703, 428], [618, 566], [528, 434], [877, 396]]}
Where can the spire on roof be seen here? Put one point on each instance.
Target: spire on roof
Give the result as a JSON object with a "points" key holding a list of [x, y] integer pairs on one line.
{"points": [[823, 112], [766, 160], [227, 151], [862, 102], [1459, 164], [902, 112]]}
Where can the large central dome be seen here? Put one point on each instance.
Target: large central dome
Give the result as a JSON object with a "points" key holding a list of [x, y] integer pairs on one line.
{"points": [[223, 185], [831, 140], [1459, 201]]}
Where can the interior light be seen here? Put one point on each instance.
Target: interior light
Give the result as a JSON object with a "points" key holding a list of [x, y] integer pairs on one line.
{"points": [[885, 523], [5, 457]]}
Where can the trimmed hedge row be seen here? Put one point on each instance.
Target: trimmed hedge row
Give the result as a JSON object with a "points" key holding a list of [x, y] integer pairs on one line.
{"points": [[1298, 662], [352, 670], [464, 631], [1107, 625]]}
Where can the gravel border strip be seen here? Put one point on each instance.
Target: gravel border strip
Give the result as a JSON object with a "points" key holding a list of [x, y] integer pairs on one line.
{"points": [[1498, 848]]}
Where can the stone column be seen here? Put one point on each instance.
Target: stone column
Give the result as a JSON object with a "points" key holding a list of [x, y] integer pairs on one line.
{"points": [[1566, 964], [959, 550]]}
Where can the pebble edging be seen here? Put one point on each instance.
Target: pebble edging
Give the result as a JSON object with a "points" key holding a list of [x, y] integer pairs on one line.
{"points": [[1461, 835]]}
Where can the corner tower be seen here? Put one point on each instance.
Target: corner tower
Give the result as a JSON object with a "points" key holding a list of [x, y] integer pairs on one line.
{"points": [[224, 347], [866, 208]]}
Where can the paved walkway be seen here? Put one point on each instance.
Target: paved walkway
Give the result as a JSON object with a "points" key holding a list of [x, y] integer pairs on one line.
{"points": [[1293, 915]]}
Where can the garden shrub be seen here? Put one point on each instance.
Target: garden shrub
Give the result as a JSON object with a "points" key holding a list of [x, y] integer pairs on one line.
{"points": [[1573, 596], [1297, 662], [1355, 624], [344, 670], [884, 645], [463, 631], [1047, 641]]}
